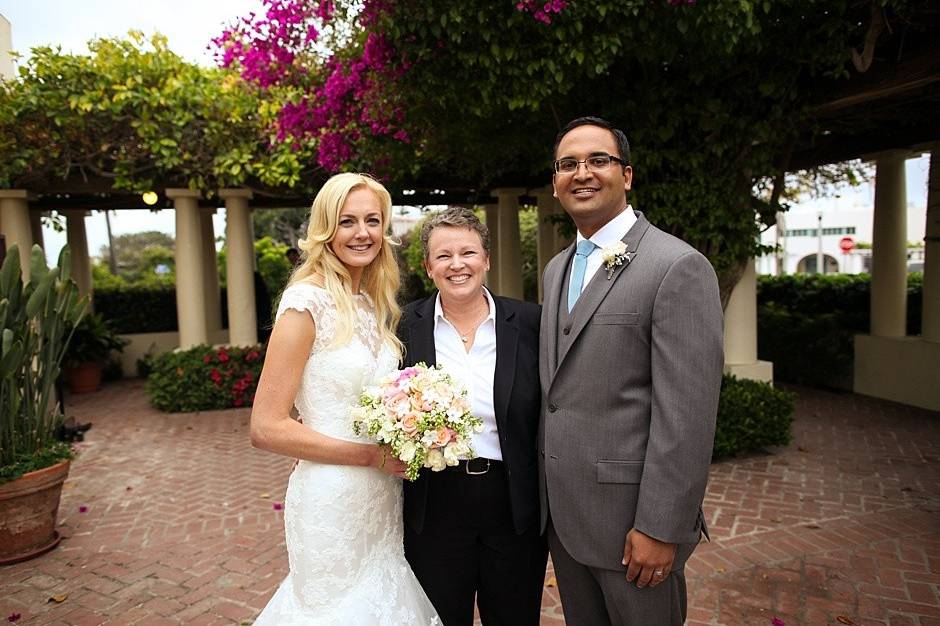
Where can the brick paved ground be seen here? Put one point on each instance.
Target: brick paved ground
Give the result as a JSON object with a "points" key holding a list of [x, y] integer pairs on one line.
{"points": [[179, 523]]}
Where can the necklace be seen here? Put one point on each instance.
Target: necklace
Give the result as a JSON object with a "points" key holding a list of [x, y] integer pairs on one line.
{"points": [[465, 336]]}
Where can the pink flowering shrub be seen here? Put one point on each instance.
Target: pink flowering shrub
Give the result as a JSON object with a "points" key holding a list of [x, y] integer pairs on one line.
{"points": [[542, 11], [332, 100]]}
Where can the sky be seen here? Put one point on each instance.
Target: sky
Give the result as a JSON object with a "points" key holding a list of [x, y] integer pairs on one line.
{"points": [[189, 26]]}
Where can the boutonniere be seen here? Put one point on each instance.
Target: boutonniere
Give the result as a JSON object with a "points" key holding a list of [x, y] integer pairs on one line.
{"points": [[613, 256]]}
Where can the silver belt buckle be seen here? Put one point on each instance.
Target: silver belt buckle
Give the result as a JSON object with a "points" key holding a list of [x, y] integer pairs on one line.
{"points": [[471, 473]]}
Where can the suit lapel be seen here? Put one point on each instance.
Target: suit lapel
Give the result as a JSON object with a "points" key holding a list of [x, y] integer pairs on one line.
{"points": [[553, 291], [421, 342], [600, 285], [507, 340]]}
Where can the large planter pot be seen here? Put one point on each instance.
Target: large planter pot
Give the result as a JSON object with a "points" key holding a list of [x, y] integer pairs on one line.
{"points": [[84, 378], [29, 506]]}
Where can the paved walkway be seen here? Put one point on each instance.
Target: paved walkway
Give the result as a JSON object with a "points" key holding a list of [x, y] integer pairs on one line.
{"points": [[174, 519]]}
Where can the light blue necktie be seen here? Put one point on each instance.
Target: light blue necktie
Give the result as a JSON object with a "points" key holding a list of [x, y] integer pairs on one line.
{"points": [[585, 248]]}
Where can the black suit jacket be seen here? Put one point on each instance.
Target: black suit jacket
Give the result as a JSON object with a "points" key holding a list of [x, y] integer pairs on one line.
{"points": [[516, 399]]}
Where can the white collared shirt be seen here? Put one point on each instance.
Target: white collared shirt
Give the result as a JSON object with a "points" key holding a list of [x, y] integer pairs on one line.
{"points": [[474, 369], [609, 234]]}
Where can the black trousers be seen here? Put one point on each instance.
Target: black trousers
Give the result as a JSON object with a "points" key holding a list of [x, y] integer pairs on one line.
{"points": [[469, 547]]}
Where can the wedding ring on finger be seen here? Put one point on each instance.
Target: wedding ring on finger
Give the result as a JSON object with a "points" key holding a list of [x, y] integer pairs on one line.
{"points": [[658, 573]]}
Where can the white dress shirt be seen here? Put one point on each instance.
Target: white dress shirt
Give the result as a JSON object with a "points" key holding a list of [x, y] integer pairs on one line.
{"points": [[474, 369], [609, 234]]}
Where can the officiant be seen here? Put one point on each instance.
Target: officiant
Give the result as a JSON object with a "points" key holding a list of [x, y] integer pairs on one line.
{"points": [[471, 530]]}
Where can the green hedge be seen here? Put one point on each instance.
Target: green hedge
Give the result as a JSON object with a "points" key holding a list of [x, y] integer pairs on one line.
{"points": [[751, 416], [137, 308], [203, 378], [806, 324]]}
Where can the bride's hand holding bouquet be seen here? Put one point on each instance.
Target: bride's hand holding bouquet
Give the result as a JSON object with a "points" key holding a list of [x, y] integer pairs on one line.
{"points": [[422, 415]]}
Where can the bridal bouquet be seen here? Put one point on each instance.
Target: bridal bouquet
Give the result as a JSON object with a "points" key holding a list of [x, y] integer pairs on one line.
{"points": [[422, 414]]}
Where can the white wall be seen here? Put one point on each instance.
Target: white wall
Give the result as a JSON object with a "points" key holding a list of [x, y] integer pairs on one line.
{"points": [[6, 45]]}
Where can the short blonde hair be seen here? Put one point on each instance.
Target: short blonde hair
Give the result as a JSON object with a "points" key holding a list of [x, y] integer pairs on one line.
{"points": [[380, 279]]}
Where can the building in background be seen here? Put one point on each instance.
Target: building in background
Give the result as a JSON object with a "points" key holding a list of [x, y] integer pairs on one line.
{"points": [[847, 234]]}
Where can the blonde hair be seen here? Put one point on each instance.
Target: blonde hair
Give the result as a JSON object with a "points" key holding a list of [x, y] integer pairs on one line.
{"points": [[380, 279]]}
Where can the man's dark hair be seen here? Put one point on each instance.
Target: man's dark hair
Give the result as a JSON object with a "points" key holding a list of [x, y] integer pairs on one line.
{"points": [[623, 145]]}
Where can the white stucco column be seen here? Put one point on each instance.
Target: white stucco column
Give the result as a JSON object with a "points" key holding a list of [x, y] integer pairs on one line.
{"points": [[35, 225], [889, 364], [889, 248], [239, 268], [14, 209], [562, 241], [78, 245], [547, 206], [509, 242], [931, 293], [190, 273], [211, 271], [492, 223], [740, 338]]}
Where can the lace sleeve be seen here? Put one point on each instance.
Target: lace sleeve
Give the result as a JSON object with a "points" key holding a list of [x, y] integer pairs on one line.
{"points": [[316, 302]]}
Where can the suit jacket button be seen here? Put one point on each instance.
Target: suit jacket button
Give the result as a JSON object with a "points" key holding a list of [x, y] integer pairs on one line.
{"points": [[552, 408], [566, 330]]}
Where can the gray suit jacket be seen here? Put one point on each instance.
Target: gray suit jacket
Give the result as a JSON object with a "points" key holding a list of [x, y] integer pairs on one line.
{"points": [[630, 396]]}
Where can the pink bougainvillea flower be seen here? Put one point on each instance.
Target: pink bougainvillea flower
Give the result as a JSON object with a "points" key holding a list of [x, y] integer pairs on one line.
{"points": [[83, 509], [14, 617], [278, 506], [778, 622]]}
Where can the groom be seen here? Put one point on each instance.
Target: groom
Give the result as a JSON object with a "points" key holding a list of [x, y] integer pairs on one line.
{"points": [[630, 363]]}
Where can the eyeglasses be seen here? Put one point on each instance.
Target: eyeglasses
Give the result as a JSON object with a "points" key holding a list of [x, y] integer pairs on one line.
{"points": [[593, 163]]}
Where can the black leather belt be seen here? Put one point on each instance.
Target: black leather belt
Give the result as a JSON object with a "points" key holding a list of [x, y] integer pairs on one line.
{"points": [[475, 467]]}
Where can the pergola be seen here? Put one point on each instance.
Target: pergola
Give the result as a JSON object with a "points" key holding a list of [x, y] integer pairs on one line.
{"points": [[886, 114]]}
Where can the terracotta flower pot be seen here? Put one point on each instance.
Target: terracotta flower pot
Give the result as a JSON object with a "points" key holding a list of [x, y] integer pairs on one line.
{"points": [[84, 378], [29, 506]]}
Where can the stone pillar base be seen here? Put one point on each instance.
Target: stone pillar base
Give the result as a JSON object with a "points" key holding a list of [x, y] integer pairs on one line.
{"points": [[762, 371], [902, 369]]}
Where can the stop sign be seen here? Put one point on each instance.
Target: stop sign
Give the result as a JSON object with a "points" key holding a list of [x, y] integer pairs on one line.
{"points": [[847, 244]]}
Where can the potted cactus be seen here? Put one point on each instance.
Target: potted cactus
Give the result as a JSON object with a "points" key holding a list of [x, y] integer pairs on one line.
{"points": [[33, 465]]}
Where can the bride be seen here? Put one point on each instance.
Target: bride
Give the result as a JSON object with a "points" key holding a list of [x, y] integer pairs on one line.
{"points": [[333, 335]]}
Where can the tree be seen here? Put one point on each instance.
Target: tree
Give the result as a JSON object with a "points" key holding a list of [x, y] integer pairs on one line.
{"points": [[713, 95], [137, 253], [135, 114], [287, 226]]}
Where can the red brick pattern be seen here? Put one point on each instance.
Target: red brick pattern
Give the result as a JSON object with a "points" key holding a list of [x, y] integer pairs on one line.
{"points": [[180, 525]]}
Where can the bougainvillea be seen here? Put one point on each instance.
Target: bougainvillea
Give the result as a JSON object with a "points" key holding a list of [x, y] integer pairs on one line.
{"points": [[715, 96], [542, 11], [337, 75]]}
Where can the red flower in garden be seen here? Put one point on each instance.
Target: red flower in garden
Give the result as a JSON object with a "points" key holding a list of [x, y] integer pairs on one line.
{"points": [[223, 355], [207, 358], [216, 376]]}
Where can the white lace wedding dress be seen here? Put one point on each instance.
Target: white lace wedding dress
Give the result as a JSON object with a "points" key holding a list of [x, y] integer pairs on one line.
{"points": [[343, 523]]}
